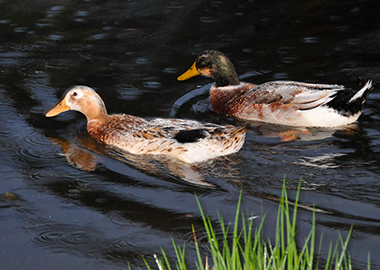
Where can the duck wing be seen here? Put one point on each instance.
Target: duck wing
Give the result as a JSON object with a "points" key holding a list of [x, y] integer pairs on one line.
{"points": [[187, 140], [303, 96], [184, 131]]}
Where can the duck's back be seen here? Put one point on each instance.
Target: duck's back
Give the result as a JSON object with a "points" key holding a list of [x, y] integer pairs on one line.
{"points": [[187, 140], [291, 103]]}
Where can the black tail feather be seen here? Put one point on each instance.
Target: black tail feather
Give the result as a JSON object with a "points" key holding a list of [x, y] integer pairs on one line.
{"points": [[349, 102]]}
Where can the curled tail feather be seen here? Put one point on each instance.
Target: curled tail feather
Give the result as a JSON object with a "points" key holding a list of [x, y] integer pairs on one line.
{"points": [[349, 103]]}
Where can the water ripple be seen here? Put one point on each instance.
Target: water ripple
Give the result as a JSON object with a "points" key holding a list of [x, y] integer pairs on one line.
{"points": [[280, 76], [130, 93], [61, 63], [75, 238], [151, 84], [202, 106], [56, 10], [81, 13], [311, 40], [125, 242], [33, 147], [60, 235], [138, 244], [116, 218], [21, 29], [99, 36], [289, 60], [142, 61], [55, 37], [208, 19], [23, 258], [181, 101], [10, 58], [44, 23]]}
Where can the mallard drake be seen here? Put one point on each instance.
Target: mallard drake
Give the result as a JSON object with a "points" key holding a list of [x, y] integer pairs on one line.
{"points": [[280, 102], [186, 140]]}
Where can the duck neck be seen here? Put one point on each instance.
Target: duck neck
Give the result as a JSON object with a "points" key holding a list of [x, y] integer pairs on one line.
{"points": [[96, 118], [226, 80], [224, 72]]}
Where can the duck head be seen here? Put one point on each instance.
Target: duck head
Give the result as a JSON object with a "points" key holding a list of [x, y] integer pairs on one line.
{"points": [[82, 99], [215, 65]]}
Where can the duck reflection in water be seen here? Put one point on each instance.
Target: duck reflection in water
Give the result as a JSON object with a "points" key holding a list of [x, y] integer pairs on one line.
{"points": [[286, 134], [85, 153]]}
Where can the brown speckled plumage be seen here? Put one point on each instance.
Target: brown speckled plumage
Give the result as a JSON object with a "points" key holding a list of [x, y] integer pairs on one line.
{"points": [[187, 140]]}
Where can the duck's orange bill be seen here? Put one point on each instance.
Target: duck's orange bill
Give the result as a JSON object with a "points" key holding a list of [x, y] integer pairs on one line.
{"points": [[190, 73], [60, 107]]}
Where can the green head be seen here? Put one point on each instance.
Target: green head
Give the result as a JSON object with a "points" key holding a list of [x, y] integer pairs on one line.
{"points": [[215, 65]]}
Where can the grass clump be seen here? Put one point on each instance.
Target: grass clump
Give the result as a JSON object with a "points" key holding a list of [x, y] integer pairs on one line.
{"points": [[246, 248]]}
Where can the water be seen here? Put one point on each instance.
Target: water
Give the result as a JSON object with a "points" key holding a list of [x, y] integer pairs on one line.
{"points": [[68, 203]]}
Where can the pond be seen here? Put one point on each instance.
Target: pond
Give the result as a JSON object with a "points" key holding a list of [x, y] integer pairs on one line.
{"points": [[67, 203]]}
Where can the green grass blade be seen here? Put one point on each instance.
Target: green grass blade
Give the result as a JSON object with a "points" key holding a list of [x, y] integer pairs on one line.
{"points": [[344, 248], [369, 262]]}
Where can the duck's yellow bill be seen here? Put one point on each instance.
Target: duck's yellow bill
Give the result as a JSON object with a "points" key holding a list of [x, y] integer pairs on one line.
{"points": [[190, 73], [59, 108]]}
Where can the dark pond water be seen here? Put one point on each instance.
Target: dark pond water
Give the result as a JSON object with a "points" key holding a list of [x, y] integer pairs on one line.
{"points": [[67, 204]]}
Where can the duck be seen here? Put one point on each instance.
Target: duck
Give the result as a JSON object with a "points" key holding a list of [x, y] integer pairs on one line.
{"points": [[289, 103], [189, 141]]}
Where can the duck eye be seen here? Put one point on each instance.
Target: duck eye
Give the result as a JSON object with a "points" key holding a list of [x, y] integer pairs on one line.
{"points": [[75, 94]]}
